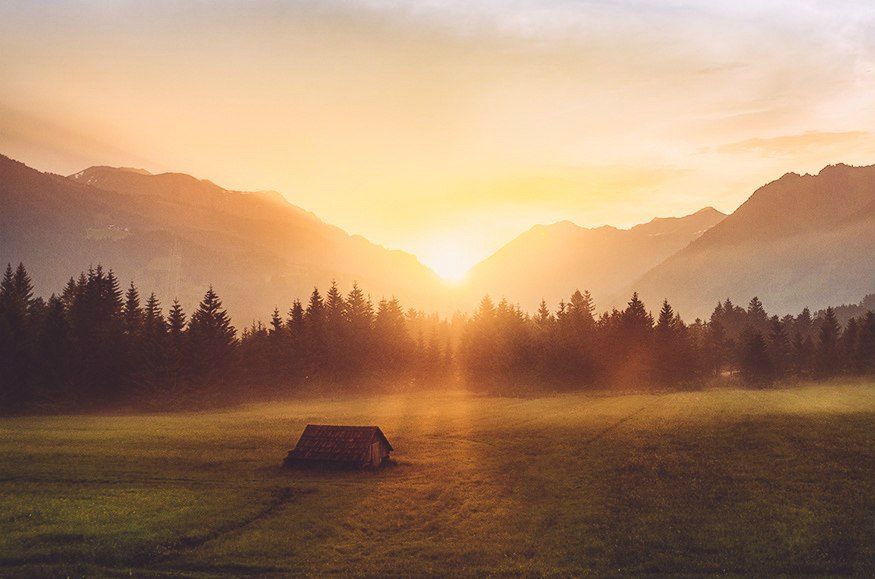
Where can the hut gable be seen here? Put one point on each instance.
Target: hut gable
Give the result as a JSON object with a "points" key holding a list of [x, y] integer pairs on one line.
{"points": [[354, 446]]}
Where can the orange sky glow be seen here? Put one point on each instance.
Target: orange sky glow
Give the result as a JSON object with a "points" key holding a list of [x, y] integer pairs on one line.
{"points": [[447, 128]]}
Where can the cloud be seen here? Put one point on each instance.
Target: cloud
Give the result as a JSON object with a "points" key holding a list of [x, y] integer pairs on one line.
{"points": [[792, 145], [390, 117], [60, 146]]}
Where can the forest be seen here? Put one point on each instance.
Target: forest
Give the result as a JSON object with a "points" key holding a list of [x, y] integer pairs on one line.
{"points": [[96, 346]]}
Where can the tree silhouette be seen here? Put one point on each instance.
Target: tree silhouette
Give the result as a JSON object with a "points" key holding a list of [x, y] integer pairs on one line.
{"points": [[670, 362], [636, 327], [16, 339], [828, 345], [717, 345], [177, 350], [757, 318], [152, 372], [755, 363], [778, 348], [212, 339], [95, 346], [315, 335]]}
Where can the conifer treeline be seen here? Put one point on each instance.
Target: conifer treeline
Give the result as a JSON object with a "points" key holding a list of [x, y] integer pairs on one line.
{"points": [[574, 348], [97, 346]]}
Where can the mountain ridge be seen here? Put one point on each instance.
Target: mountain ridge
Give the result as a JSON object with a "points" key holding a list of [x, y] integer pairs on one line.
{"points": [[176, 234], [551, 261], [798, 241]]}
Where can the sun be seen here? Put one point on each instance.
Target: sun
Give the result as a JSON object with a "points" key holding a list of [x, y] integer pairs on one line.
{"points": [[449, 259]]}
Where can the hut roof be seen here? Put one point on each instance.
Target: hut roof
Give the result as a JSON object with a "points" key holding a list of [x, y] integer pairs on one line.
{"points": [[321, 442]]}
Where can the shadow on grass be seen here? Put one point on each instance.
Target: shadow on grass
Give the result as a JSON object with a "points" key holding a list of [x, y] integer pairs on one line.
{"points": [[764, 496]]}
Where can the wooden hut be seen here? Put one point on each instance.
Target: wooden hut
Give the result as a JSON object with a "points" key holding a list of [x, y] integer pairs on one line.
{"points": [[342, 446]]}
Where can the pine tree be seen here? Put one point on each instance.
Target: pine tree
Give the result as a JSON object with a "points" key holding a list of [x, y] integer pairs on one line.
{"points": [[355, 353], [153, 373], [212, 339], [132, 312], [827, 347], [635, 316], [336, 334], [296, 361], [717, 339], [580, 309], [779, 348], [804, 324], [315, 314], [667, 363], [665, 324], [755, 363], [635, 340], [276, 323], [295, 323], [177, 350], [7, 285], [359, 312], [848, 346], [280, 345], [52, 353], [866, 343], [486, 311], [315, 336], [176, 321], [334, 310], [544, 317], [393, 346], [98, 356], [153, 318], [16, 340], [756, 316]]}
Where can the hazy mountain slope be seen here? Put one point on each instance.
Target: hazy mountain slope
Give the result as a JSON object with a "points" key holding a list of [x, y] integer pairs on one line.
{"points": [[175, 234], [551, 261], [798, 241]]}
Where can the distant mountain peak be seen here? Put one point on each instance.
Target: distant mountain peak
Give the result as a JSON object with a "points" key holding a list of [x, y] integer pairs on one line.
{"points": [[175, 234], [98, 168], [134, 170], [800, 240], [271, 196], [551, 261]]}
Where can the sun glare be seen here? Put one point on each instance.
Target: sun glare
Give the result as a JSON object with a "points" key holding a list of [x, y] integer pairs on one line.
{"points": [[449, 260]]}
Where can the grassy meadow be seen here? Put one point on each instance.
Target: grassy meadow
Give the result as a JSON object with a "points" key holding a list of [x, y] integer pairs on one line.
{"points": [[757, 482]]}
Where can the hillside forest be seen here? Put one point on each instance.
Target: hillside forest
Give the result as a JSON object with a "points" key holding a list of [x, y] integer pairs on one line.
{"points": [[97, 346]]}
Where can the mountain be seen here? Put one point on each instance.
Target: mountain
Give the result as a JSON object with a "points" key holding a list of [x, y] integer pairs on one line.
{"points": [[803, 240], [551, 261], [175, 235]]}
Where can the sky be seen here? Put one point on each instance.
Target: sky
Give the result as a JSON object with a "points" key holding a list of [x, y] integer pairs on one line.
{"points": [[447, 128]]}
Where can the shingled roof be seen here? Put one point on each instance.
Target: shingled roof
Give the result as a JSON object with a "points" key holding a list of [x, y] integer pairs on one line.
{"points": [[339, 444]]}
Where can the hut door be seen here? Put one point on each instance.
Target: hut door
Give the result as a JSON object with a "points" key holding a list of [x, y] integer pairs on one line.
{"points": [[376, 459]]}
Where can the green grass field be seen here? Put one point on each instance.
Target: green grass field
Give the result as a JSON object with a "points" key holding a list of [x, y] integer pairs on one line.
{"points": [[757, 482]]}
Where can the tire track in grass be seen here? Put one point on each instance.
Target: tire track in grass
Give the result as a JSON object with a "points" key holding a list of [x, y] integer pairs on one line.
{"points": [[165, 552], [280, 498], [615, 425], [585, 442]]}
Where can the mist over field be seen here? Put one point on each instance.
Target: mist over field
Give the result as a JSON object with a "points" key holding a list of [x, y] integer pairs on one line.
{"points": [[750, 482]]}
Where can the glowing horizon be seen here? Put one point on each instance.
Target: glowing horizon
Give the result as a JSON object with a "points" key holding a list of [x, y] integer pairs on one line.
{"points": [[456, 123], [449, 259]]}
